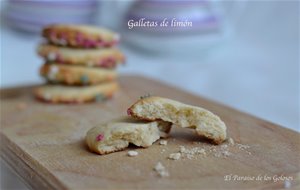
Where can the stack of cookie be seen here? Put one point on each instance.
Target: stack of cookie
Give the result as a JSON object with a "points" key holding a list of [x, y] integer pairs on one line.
{"points": [[80, 64]]}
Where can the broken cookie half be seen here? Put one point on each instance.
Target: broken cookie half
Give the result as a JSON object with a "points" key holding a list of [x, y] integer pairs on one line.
{"points": [[203, 121], [117, 134]]}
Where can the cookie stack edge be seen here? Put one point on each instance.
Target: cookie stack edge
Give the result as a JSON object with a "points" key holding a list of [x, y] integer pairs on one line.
{"points": [[80, 64]]}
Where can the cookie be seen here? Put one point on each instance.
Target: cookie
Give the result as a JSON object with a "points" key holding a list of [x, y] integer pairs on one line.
{"points": [[80, 36], [116, 135], [103, 57], [203, 121], [75, 94], [76, 75]]}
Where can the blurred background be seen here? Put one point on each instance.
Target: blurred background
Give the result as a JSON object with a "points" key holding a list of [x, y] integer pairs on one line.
{"points": [[244, 54]]}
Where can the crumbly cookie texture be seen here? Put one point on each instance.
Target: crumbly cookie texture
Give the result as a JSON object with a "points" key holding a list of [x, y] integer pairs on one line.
{"points": [[175, 156], [104, 57], [203, 121], [161, 170], [76, 75], [116, 135], [80, 36], [75, 94], [132, 153], [163, 142]]}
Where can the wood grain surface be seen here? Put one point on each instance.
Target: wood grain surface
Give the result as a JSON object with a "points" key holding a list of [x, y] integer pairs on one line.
{"points": [[45, 145]]}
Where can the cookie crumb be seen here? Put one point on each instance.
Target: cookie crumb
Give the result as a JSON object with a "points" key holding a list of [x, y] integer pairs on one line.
{"points": [[224, 150], [231, 141], [190, 156], [161, 170], [100, 137], [191, 153], [222, 154], [175, 156], [163, 142], [242, 146], [202, 151], [226, 153], [196, 150], [132, 153], [182, 149]]}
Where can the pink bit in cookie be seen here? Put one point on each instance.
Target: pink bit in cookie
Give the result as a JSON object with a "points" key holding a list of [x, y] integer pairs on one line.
{"points": [[129, 111], [107, 63], [88, 43], [79, 38], [99, 43], [100, 137], [59, 58]]}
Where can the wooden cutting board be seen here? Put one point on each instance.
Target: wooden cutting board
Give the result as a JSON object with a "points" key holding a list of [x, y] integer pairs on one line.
{"points": [[45, 145]]}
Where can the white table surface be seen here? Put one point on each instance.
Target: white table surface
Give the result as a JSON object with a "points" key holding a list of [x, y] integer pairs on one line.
{"points": [[255, 71]]}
